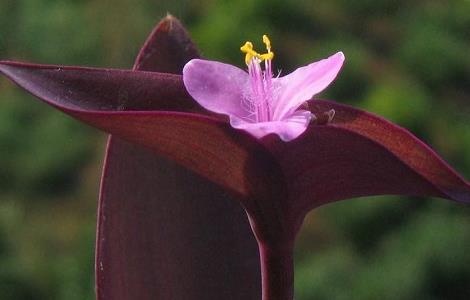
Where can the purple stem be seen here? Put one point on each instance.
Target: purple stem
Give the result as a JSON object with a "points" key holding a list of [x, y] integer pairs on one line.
{"points": [[277, 272]]}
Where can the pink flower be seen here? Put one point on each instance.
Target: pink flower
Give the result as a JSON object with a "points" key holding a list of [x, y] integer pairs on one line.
{"points": [[255, 101]]}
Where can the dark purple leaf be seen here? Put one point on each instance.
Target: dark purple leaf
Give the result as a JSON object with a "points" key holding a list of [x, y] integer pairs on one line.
{"points": [[93, 89], [359, 154], [204, 144], [167, 49], [164, 232], [355, 155]]}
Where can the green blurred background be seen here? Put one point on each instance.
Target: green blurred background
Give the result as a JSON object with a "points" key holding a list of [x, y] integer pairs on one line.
{"points": [[406, 60]]}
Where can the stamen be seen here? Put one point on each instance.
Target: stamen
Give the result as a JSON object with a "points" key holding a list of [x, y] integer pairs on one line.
{"points": [[261, 94], [267, 42], [269, 55], [250, 53]]}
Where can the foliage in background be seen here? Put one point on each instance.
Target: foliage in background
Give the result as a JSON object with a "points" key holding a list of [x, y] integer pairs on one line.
{"points": [[407, 61]]}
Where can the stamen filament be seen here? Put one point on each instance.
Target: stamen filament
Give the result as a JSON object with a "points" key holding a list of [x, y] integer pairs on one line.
{"points": [[261, 81]]}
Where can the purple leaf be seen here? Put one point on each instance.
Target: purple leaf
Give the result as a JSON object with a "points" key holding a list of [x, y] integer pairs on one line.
{"points": [[164, 232], [93, 89], [360, 154], [204, 144], [167, 49]]}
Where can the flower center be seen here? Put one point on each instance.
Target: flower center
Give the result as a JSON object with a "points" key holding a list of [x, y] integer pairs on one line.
{"points": [[259, 98]]}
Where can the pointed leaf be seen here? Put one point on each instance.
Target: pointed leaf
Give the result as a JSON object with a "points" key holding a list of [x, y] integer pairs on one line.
{"points": [[359, 154], [167, 49], [166, 233], [208, 146], [93, 89], [196, 236]]}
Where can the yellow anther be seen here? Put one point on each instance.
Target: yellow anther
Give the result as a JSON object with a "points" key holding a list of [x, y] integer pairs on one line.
{"points": [[267, 42], [248, 47], [250, 53], [270, 54], [266, 56]]}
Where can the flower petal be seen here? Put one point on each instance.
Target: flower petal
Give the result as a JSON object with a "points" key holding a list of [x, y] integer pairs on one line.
{"points": [[287, 129], [216, 86], [305, 82]]}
